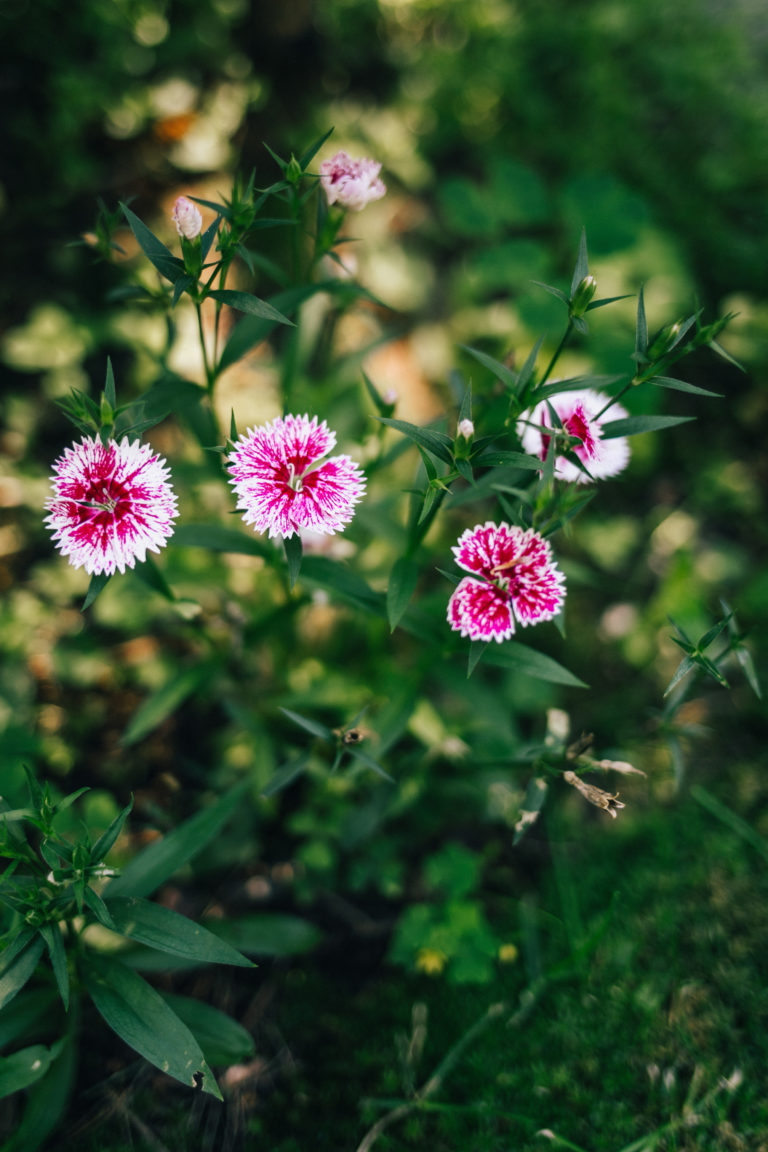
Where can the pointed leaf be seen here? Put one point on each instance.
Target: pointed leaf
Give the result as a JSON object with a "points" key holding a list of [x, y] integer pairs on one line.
{"points": [[168, 265], [245, 302], [162, 703], [681, 386], [683, 669], [312, 726], [109, 386], [492, 459], [221, 1038], [634, 425], [402, 584], [437, 443], [25, 1067], [140, 1017], [510, 654], [499, 370], [168, 931], [144, 874], [306, 158], [581, 270], [641, 332], [18, 971], [51, 934], [97, 585], [107, 839]]}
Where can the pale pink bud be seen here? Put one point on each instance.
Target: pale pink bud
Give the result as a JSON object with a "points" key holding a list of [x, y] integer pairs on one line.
{"points": [[351, 183], [187, 218], [466, 429]]}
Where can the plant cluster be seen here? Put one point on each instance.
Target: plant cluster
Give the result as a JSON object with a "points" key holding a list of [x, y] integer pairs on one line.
{"points": [[504, 474]]}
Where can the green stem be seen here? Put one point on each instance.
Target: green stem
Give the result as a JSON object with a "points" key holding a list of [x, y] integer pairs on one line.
{"points": [[210, 375], [558, 351]]}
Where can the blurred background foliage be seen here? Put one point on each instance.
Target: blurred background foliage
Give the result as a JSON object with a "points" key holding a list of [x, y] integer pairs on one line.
{"points": [[504, 126]]}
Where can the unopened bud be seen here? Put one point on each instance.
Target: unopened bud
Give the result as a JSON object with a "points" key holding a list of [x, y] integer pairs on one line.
{"points": [[665, 341], [466, 429], [187, 218], [390, 397], [293, 171], [583, 295]]}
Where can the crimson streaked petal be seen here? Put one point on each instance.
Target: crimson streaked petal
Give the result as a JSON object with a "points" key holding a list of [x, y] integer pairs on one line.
{"points": [[111, 504], [579, 412], [284, 486], [481, 611]]}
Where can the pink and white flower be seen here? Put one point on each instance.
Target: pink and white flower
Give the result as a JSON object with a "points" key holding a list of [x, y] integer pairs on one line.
{"points": [[284, 484], [111, 502], [581, 414], [514, 581], [187, 218], [351, 183]]}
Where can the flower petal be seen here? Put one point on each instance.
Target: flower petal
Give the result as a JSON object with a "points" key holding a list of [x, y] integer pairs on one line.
{"points": [[481, 611]]}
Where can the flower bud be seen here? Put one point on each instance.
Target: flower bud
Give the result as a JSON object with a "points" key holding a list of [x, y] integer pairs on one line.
{"points": [[293, 171], [466, 429], [664, 342], [187, 218], [582, 297]]}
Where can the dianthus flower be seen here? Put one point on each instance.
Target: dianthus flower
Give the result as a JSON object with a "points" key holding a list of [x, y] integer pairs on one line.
{"points": [[351, 183], [187, 218], [578, 412], [283, 483], [514, 581], [111, 502]]}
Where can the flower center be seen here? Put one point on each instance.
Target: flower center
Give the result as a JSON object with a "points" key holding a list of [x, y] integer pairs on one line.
{"points": [[295, 478]]}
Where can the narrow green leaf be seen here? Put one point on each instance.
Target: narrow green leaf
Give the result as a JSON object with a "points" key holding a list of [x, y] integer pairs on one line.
{"points": [[402, 584], [312, 726], [682, 386], [109, 386], [182, 285], [634, 425], [683, 669], [152, 577], [576, 383], [730, 819], [107, 839], [307, 157], [369, 762], [293, 555], [476, 651], [557, 292], [28, 1015], [437, 443], [51, 934], [492, 459], [19, 970], [528, 368], [607, 300], [94, 902], [168, 265], [253, 329], [24, 1068], [46, 1101], [499, 370], [97, 585], [140, 1017], [161, 704], [221, 1038], [252, 305], [284, 776], [581, 268], [343, 582], [208, 237], [641, 331], [168, 931], [510, 654], [144, 874]]}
